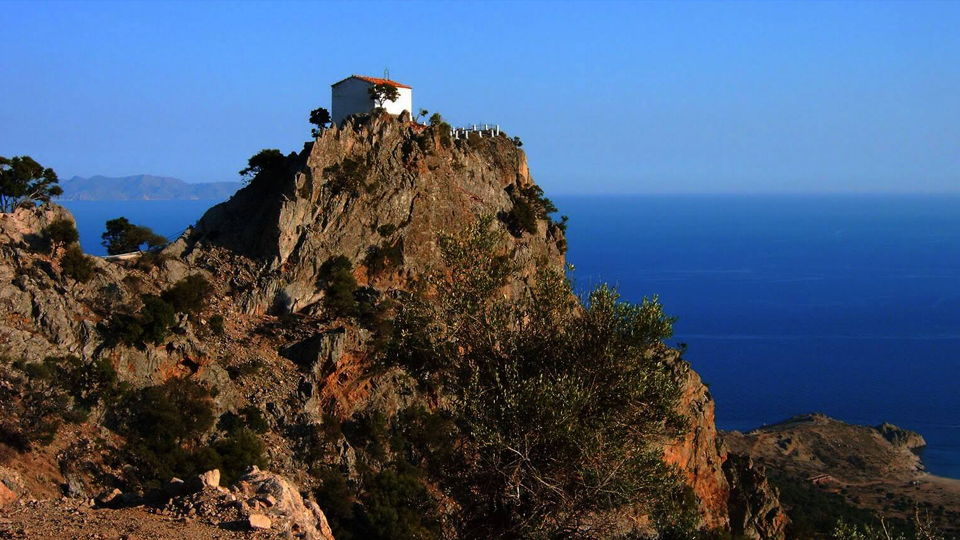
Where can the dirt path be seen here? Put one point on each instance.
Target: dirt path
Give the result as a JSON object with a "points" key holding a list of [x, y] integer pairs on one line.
{"points": [[73, 520]]}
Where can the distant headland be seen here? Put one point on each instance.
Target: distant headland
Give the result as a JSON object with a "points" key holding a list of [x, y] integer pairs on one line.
{"points": [[142, 187]]}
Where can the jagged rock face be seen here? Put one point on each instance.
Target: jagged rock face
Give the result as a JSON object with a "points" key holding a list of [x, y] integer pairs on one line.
{"points": [[43, 314], [48, 314], [755, 510], [699, 453], [404, 178]]}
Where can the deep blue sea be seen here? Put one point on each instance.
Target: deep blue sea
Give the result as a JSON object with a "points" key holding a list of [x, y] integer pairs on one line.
{"points": [[843, 304]]}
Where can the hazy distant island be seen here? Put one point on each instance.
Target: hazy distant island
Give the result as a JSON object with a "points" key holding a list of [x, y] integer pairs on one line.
{"points": [[142, 187]]}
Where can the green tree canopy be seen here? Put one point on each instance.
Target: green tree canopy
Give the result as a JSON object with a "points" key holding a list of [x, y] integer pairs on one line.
{"points": [[382, 93], [319, 117], [558, 403], [122, 236], [22, 179], [266, 160], [62, 232]]}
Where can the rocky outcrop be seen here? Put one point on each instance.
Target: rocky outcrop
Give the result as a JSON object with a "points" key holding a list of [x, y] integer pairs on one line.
{"points": [[903, 438], [699, 454], [754, 505], [6, 496], [376, 182], [274, 497], [24, 227]]}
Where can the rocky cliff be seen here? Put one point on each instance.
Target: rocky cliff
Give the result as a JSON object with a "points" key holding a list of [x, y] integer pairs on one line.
{"points": [[376, 191], [375, 184]]}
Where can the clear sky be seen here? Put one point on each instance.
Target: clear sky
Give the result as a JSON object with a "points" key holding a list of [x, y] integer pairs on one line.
{"points": [[635, 97]]}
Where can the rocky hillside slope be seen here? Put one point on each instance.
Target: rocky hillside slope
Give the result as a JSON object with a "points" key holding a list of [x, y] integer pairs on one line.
{"points": [[871, 468], [371, 196]]}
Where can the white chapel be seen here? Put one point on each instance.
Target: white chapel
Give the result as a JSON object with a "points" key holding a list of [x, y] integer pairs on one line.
{"points": [[352, 96]]}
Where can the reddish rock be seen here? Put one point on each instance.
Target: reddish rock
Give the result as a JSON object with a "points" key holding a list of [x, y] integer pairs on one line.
{"points": [[699, 454], [6, 496], [259, 522]]}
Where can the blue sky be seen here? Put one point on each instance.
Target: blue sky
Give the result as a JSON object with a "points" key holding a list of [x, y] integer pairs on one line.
{"points": [[625, 97]]}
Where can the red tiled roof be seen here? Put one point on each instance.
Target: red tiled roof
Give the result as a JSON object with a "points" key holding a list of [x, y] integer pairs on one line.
{"points": [[373, 80]]}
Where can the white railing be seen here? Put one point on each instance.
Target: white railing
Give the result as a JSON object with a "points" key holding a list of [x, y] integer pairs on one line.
{"points": [[483, 130]]}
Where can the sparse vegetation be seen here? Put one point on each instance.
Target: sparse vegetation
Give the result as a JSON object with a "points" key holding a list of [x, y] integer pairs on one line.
{"points": [[921, 528], [75, 265], [58, 389], [442, 128], [529, 207], [189, 295], [339, 285], [264, 162], [216, 324], [166, 425], [386, 256], [348, 176], [61, 232], [150, 325]]}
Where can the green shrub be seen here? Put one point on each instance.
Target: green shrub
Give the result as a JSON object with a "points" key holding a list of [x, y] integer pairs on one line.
{"points": [[248, 417], [163, 425], [348, 176], [156, 318], [232, 454], [61, 232], [89, 383], [384, 257], [474, 140], [373, 311], [339, 285], [189, 295], [57, 389], [369, 432], [77, 266], [386, 230], [529, 206], [522, 218], [531, 382], [338, 502], [442, 128], [216, 324], [397, 506], [150, 325]]}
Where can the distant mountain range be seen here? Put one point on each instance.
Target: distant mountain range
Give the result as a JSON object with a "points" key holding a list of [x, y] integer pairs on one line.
{"points": [[142, 187]]}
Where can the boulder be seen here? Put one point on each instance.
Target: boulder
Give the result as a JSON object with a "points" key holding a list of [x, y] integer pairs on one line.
{"points": [[118, 499], [259, 522], [6, 496], [207, 480], [304, 517]]}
